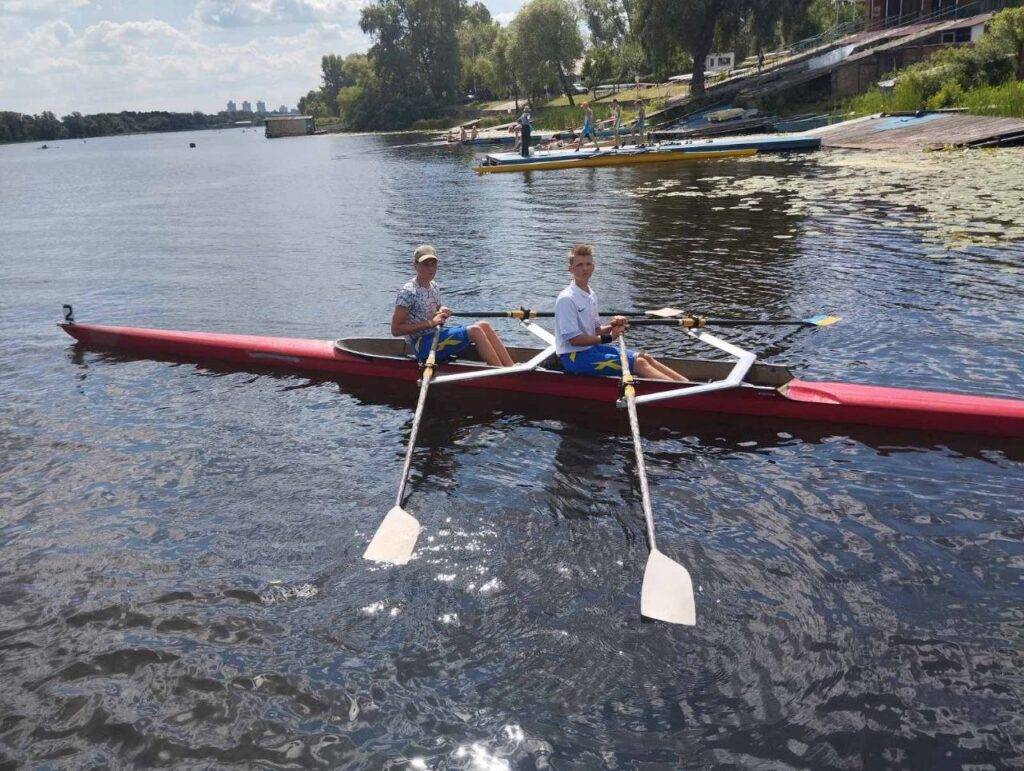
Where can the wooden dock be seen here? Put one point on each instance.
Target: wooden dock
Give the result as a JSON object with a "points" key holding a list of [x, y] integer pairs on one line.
{"points": [[922, 131]]}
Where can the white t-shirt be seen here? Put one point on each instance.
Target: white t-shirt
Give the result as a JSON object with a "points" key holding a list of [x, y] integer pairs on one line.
{"points": [[575, 314]]}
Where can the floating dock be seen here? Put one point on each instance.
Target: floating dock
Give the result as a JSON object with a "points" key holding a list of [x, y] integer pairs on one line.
{"points": [[727, 147], [922, 131]]}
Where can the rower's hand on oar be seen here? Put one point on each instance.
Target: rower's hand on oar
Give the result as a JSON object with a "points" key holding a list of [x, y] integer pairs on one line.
{"points": [[439, 318]]}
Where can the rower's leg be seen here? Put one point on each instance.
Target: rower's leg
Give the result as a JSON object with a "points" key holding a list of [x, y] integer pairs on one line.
{"points": [[649, 367], [483, 345], [496, 344]]}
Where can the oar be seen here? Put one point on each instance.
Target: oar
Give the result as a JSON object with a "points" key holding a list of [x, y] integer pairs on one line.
{"points": [[691, 322], [396, 537], [664, 316], [667, 591]]}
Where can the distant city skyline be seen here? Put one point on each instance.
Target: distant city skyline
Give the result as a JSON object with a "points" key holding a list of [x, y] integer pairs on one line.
{"points": [[93, 56]]}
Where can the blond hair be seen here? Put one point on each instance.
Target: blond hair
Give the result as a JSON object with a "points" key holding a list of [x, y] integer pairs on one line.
{"points": [[580, 250]]}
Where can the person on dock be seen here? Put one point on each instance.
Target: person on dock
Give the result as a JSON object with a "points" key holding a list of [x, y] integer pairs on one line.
{"points": [[760, 60], [616, 120], [588, 128], [639, 126], [524, 132], [419, 308], [582, 342]]}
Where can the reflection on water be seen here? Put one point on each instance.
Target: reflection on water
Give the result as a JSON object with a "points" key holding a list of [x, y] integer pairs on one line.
{"points": [[181, 581]]}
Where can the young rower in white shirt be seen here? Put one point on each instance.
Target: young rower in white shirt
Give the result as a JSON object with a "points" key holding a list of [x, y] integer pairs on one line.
{"points": [[582, 343]]}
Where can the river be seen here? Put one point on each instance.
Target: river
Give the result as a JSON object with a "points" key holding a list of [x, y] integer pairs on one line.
{"points": [[180, 572]]}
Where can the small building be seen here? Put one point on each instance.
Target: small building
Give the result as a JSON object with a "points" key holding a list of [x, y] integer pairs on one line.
{"points": [[719, 62], [290, 126]]}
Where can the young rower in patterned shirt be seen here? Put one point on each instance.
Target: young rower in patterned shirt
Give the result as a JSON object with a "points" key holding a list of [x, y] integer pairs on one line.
{"points": [[419, 308], [582, 343]]}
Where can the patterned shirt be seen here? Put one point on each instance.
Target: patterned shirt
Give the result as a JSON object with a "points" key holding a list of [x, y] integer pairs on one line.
{"points": [[423, 303]]}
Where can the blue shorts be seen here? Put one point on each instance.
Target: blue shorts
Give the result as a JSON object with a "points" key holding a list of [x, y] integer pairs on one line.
{"points": [[452, 341], [597, 360]]}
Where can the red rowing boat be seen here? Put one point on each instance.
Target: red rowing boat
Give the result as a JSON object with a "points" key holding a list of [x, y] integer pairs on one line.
{"points": [[766, 390]]}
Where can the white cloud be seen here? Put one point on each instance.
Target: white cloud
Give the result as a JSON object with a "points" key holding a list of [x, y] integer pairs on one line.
{"points": [[43, 8], [152, 65], [248, 13]]}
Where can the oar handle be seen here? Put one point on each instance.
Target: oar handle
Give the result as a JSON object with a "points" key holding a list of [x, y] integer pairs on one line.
{"points": [[521, 313]]}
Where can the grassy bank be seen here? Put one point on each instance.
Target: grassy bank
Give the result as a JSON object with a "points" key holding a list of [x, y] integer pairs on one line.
{"points": [[1006, 100]]}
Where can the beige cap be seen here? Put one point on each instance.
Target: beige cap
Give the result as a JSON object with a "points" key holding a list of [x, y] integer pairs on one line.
{"points": [[423, 253]]}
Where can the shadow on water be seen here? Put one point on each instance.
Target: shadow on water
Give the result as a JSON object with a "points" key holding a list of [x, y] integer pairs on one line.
{"points": [[452, 411]]}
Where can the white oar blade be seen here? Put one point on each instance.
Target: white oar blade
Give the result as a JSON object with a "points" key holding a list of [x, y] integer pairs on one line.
{"points": [[667, 591], [395, 539], [665, 313]]}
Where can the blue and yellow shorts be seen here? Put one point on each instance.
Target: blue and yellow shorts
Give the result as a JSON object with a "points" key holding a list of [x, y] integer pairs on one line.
{"points": [[597, 360], [453, 341]]}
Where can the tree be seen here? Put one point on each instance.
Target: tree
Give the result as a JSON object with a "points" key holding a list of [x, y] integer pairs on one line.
{"points": [[416, 36], [477, 36], [607, 20], [333, 81], [1007, 28], [548, 43], [506, 72], [693, 24], [598, 67]]}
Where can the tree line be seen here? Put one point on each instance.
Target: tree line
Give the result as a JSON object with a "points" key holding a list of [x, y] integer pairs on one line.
{"points": [[16, 127], [429, 55]]}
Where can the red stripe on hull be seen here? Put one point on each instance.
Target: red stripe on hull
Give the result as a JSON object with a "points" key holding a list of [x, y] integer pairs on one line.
{"points": [[827, 402]]}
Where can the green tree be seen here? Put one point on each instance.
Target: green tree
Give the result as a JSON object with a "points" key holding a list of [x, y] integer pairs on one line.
{"points": [[416, 36], [1007, 28], [599, 66], [607, 21], [332, 80], [313, 104], [477, 35], [548, 43], [695, 25], [507, 71]]}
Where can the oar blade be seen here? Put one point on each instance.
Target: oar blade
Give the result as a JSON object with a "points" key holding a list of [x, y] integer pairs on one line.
{"points": [[667, 591], [665, 313], [821, 320], [395, 539]]}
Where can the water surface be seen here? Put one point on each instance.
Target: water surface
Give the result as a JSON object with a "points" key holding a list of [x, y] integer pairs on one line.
{"points": [[180, 571]]}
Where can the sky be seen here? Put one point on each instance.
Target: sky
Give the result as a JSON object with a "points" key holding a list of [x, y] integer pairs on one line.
{"points": [[95, 56]]}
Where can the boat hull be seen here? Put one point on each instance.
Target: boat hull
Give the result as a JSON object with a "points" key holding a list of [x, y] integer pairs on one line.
{"points": [[614, 158], [793, 399]]}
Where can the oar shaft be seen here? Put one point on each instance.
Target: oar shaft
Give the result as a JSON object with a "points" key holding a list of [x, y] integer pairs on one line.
{"points": [[634, 425], [643, 318], [428, 371]]}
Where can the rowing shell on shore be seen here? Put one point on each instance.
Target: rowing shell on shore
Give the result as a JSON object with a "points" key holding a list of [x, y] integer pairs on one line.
{"points": [[744, 387]]}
